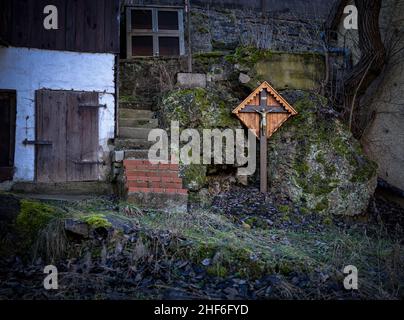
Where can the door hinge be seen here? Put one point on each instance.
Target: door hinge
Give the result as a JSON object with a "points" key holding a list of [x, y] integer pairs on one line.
{"points": [[83, 162], [37, 142], [92, 106]]}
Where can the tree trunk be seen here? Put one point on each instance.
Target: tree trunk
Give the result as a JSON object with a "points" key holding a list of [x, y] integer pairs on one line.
{"points": [[373, 54]]}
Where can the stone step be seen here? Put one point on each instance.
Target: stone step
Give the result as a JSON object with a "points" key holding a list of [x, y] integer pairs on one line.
{"points": [[135, 114], [136, 154], [134, 133], [132, 144], [138, 123], [138, 105], [159, 198]]}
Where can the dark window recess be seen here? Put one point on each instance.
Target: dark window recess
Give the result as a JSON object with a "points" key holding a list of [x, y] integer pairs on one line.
{"points": [[142, 46], [142, 19], [169, 46], [168, 20]]}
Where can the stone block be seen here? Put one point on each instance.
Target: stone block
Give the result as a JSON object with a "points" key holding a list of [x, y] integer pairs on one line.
{"points": [[191, 80]]}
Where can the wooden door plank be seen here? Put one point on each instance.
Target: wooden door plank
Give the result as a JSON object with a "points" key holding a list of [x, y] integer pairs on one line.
{"points": [[82, 137], [51, 126]]}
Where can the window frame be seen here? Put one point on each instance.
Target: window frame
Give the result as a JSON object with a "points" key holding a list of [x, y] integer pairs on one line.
{"points": [[155, 33]]}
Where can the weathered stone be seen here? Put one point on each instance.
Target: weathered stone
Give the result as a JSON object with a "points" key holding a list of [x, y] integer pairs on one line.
{"points": [[118, 156], [163, 201], [244, 78], [292, 71], [243, 180], [199, 108], [316, 163], [77, 227], [191, 80]]}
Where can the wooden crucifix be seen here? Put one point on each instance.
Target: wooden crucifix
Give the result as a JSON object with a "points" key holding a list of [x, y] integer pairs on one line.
{"points": [[264, 111]]}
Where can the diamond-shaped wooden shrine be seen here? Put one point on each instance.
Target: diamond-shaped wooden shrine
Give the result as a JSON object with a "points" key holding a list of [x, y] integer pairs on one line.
{"points": [[266, 102]]}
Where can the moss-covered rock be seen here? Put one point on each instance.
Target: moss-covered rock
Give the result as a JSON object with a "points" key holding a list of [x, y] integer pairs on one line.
{"points": [[193, 176], [316, 163], [96, 221], [33, 217], [199, 108]]}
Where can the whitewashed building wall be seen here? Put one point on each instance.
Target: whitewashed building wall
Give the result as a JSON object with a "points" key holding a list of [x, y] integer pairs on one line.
{"points": [[27, 70]]}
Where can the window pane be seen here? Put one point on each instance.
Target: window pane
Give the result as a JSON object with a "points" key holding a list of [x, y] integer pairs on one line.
{"points": [[142, 19], [168, 20], [169, 46], [142, 46]]}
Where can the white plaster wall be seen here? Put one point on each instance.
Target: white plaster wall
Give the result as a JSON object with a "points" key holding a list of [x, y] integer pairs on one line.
{"points": [[27, 70]]}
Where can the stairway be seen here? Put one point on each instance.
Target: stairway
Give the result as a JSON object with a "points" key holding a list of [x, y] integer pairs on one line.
{"points": [[155, 186]]}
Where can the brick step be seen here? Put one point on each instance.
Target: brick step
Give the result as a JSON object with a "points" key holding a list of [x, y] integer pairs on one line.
{"points": [[153, 184], [134, 133], [158, 190], [138, 123], [138, 164], [153, 178], [132, 174], [132, 144], [135, 113]]}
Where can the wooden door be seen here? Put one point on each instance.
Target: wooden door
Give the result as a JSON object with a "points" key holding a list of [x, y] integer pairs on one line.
{"points": [[7, 134], [67, 136]]}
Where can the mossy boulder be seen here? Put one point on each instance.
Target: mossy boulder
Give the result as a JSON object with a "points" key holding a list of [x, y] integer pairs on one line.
{"points": [[199, 108], [33, 217], [316, 163]]}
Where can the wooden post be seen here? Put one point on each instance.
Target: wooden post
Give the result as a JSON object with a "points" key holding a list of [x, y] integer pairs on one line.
{"points": [[263, 162], [188, 18]]}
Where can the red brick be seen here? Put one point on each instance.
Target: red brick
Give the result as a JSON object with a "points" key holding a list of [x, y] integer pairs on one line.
{"points": [[171, 179], [171, 185], [158, 190], [135, 189], [174, 167], [137, 184], [155, 184]]}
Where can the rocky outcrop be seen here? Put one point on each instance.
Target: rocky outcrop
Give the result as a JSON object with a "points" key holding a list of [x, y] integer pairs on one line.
{"points": [[316, 163]]}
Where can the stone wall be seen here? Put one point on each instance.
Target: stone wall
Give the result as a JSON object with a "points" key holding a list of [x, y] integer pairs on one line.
{"points": [[224, 29]]}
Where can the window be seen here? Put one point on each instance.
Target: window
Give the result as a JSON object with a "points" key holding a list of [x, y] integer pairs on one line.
{"points": [[154, 32]]}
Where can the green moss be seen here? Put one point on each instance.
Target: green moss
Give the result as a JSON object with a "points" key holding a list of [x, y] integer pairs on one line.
{"points": [[304, 210], [301, 167], [96, 221], [364, 171], [257, 222], [248, 56], [194, 176], [199, 108], [217, 270], [33, 217], [203, 30], [322, 205], [284, 208], [327, 221]]}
